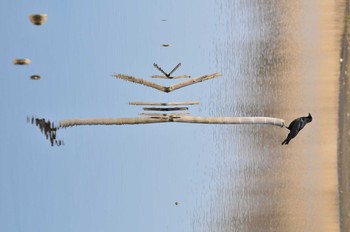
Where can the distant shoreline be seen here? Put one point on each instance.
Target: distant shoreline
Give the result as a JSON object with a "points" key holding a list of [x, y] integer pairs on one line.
{"points": [[343, 152]]}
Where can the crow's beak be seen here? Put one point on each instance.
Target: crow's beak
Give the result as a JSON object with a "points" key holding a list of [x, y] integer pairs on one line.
{"points": [[309, 116]]}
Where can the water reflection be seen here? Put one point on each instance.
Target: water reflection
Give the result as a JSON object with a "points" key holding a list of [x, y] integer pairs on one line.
{"points": [[270, 54], [48, 129]]}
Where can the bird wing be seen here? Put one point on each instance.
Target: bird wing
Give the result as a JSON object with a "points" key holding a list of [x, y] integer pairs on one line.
{"points": [[296, 127], [291, 125], [302, 123]]}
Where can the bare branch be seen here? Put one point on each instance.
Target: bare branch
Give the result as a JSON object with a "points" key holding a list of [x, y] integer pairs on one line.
{"points": [[108, 121], [171, 77], [164, 103], [164, 115], [231, 120], [167, 89], [141, 81], [165, 109], [50, 130], [193, 81], [174, 69], [182, 119], [161, 70]]}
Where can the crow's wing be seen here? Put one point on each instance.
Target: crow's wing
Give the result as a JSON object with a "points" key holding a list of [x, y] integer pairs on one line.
{"points": [[291, 125], [296, 127], [302, 123]]}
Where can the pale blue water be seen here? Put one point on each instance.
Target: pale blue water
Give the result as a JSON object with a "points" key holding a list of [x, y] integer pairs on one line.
{"points": [[278, 59]]}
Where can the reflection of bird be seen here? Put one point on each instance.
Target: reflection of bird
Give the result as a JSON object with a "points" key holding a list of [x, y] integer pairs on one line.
{"points": [[295, 126]]}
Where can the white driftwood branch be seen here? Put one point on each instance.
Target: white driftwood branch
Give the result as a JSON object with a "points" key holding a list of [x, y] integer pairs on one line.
{"points": [[164, 103], [167, 75], [165, 109], [49, 129], [167, 89], [231, 120], [174, 69], [108, 121], [169, 118], [171, 77], [164, 114], [140, 81], [193, 81], [161, 70]]}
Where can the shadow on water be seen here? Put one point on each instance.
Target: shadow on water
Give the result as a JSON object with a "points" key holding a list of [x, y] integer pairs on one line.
{"points": [[48, 128]]}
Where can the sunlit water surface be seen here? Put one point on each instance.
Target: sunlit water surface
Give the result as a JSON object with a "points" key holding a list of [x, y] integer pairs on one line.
{"points": [[280, 59]]}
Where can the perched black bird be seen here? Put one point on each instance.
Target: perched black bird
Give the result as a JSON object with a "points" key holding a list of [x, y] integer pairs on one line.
{"points": [[295, 126]]}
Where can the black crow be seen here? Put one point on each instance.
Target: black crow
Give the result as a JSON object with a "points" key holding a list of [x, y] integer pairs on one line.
{"points": [[295, 126]]}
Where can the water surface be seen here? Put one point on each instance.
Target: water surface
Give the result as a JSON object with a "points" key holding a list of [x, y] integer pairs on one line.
{"points": [[278, 59], [281, 59]]}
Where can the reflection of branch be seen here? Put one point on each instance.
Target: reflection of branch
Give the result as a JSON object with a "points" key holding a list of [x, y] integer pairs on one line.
{"points": [[157, 115], [163, 103], [50, 130], [141, 81], [232, 120], [174, 69], [171, 77], [168, 75], [109, 121], [193, 81], [165, 109], [167, 89], [169, 118], [160, 69]]}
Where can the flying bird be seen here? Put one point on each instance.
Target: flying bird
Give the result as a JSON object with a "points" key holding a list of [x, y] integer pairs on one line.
{"points": [[295, 126]]}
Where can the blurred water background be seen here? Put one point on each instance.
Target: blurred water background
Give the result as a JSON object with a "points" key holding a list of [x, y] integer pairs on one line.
{"points": [[279, 59]]}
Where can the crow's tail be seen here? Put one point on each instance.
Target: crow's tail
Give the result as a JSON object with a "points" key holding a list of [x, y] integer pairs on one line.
{"points": [[285, 142]]}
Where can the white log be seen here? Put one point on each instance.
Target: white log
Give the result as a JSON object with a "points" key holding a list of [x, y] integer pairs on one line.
{"points": [[165, 114], [165, 109], [167, 89], [169, 118], [231, 120], [164, 103], [171, 77], [108, 121]]}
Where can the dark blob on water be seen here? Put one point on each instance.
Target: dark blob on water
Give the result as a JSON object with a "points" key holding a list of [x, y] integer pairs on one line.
{"points": [[48, 129]]}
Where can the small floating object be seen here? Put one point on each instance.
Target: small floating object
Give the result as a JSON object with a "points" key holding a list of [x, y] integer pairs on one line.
{"points": [[176, 203], [24, 61], [167, 45], [35, 77], [38, 19]]}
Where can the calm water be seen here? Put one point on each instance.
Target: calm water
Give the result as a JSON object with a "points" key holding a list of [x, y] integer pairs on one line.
{"points": [[281, 59]]}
